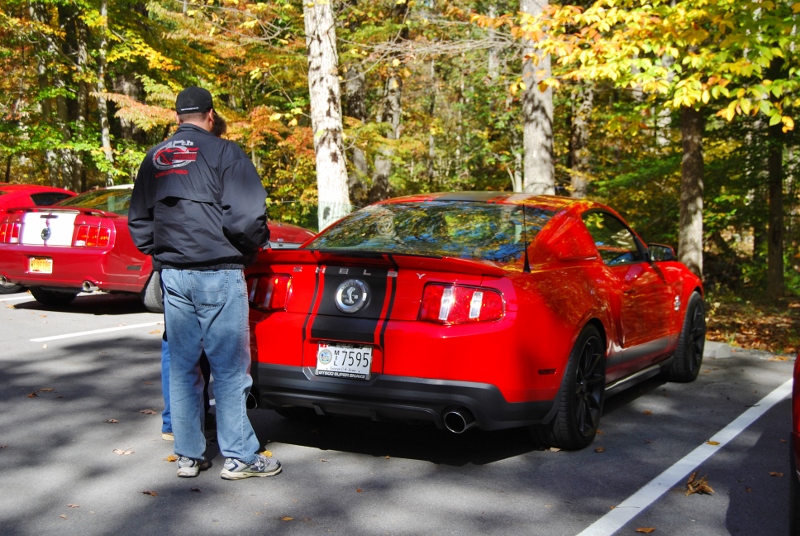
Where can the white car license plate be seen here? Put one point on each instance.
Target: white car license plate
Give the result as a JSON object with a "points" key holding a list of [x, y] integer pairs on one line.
{"points": [[344, 361], [41, 265]]}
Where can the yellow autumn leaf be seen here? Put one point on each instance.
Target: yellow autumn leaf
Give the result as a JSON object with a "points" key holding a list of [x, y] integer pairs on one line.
{"points": [[293, 123], [395, 62], [275, 117], [712, 443]]}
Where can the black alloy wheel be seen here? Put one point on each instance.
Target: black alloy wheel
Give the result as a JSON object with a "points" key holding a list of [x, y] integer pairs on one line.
{"points": [[689, 355], [580, 400]]}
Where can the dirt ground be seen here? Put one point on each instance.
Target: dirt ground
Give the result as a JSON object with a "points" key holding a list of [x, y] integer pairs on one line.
{"points": [[754, 323]]}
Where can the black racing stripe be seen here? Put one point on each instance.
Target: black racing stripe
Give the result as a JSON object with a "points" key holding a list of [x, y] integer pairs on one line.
{"points": [[332, 324], [391, 302], [311, 307]]}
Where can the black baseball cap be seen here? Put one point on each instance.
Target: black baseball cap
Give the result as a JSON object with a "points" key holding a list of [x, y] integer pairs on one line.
{"points": [[193, 100]]}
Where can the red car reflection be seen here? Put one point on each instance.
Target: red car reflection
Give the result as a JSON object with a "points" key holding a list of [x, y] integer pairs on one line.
{"points": [[482, 308], [83, 244]]}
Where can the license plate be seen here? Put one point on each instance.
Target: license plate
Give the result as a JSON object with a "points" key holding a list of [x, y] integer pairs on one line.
{"points": [[41, 265], [344, 361]]}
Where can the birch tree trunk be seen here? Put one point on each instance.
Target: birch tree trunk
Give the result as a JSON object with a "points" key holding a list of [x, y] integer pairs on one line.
{"points": [[583, 101], [326, 111], [690, 234], [537, 114], [102, 102], [45, 48]]}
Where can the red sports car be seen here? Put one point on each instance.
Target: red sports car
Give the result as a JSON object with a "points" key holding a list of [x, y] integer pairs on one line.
{"points": [[794, 455], [83, 244], [27, 195], [480, 308]]}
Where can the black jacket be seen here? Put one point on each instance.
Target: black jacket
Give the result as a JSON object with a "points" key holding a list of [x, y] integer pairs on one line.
{"points": [[198, 203]]}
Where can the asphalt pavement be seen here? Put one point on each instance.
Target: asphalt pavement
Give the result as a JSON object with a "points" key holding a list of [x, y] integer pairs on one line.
{"points": [[81, 452]]}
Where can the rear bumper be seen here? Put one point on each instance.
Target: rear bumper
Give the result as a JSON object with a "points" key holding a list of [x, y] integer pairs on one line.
{"points": [[385, 397], [72, 267]]}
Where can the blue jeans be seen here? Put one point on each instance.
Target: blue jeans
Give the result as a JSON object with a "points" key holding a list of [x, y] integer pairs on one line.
{"points": [[166, 416], [207, 310]]}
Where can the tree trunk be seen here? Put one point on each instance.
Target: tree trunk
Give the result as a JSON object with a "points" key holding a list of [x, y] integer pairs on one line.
{"points": [[690, 234], [775, 284], [102, 102], [354, 105], [45, 48], [582, 98], [392, 114], [537, 114], [326, 112]]}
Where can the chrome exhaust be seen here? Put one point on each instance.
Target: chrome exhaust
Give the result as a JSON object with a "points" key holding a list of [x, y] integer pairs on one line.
{"points": [[88, 286], [458, 420]]}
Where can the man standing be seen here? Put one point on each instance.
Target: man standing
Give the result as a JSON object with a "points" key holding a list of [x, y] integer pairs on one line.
{"points": [[198, 207]]}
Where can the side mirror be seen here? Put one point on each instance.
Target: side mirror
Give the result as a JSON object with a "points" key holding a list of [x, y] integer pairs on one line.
{"points": [[660, 253]]}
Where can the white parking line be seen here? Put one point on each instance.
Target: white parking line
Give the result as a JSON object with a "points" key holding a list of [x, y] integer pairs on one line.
{"points": [[17, 298], [636, 503], [95, 331]]}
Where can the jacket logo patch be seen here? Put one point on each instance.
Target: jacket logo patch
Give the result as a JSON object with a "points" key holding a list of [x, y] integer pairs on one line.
{"points": [[175, 154]]}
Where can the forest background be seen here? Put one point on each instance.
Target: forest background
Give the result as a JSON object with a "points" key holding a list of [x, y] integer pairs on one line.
{"points": [[432, 98]]}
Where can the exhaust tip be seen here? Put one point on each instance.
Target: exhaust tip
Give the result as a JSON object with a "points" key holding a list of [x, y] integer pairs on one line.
{"points": [[88, 286], [458, 420]]}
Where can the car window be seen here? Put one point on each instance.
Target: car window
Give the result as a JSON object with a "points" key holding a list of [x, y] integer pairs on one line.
{"points": [[116, 201], [460, 229], [49, 198], [615, 242]]}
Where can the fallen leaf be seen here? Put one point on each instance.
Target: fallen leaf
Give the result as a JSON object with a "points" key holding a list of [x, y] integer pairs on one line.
{"points": [[647, 412], [111, 421], [287, 518], [323, 460], [33, 395], [648, 440], [62, 516], [600, 449], [386, 457], [712, 443], [775, 473], [74, 505], [196, 490], [122, 452], [600, 431], [171, 458], [3, 446], [46, 390], [646, 530], [748, 490], [698, 485], [555, 449], [358, 490], [148, 383], [149, 412], [151, 493], [266, 453]]}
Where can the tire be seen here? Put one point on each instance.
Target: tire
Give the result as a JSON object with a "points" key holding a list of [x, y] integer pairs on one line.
{"points": [[10, 288], [580, 400], [689, 355], [151, 295], [53, 298]]}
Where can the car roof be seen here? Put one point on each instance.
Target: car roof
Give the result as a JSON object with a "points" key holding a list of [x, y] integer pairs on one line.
{"points": [[11, 187]]}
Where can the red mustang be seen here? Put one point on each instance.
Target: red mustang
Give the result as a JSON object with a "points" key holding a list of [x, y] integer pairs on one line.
{"points": [[83, 244], [480, 308], [27, 195]]}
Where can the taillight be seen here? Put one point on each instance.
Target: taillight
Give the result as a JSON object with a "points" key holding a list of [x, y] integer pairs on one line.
{"points": [[9, 233], [269, 292], [454, 304], [92, 236]]}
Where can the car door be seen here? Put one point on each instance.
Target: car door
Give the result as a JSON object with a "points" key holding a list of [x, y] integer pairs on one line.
{"points": [[641, 297]]}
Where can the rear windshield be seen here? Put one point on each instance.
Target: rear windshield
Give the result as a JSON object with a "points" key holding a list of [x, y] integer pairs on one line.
{"points": [[460, 229], [116, 201]]}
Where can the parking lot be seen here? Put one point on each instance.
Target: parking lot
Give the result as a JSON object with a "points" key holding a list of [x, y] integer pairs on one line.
{"points": [[81, 452]]}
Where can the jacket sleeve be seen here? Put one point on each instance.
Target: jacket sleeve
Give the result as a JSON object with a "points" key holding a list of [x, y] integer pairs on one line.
{"points": [[140, 212], [244, 207]]}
